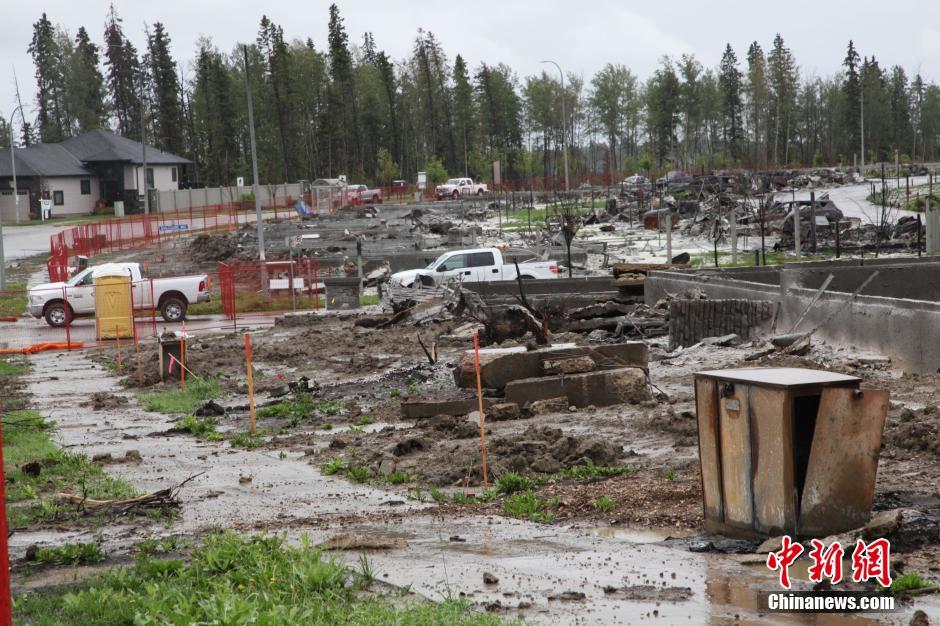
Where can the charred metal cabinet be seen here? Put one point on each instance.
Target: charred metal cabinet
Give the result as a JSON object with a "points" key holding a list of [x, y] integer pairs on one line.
{"points": [[787, 450]]}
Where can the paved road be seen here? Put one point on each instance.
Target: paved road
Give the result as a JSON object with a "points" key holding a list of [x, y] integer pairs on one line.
{"points": [[20, 242], [851, 199]]}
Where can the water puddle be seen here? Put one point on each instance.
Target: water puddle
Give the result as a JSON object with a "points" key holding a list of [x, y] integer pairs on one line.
{"points": [[640, 535]]}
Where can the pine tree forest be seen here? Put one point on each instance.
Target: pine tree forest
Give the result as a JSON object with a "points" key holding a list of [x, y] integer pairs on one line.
{"points": [[344, 106]]}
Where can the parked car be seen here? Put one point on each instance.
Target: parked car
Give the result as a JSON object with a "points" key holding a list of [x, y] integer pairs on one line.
{"points": [[476, 266], [637, 181], [62, 301], [456, 187], [674, 177], [361, 194]]}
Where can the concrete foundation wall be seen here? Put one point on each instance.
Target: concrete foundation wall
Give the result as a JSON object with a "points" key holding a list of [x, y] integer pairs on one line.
{"points": [[907, 331], [690, 321]]}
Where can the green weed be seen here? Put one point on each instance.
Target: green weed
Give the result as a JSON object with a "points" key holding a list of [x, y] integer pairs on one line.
{"points": [[185, 400], [511, 482], [908, 582], [604, 504], [199, 427], [71, 554], [590, 471], [527, 505], [670, 474], [334, 466], [231, 579], [245, 439]]}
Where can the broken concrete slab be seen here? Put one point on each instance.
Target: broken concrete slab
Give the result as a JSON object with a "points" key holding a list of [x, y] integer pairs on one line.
{"points": [[417, 409], [569, 365], [499, 366], [600, 388]]}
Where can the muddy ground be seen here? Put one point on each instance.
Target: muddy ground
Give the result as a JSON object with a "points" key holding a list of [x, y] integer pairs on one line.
{"points": [[368, 372]]}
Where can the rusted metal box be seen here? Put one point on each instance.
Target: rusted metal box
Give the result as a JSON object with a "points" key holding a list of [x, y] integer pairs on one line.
{"points": [[787, 450]]}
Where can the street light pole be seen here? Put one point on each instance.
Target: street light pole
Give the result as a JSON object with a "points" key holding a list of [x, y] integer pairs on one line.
{"points": [[564, 121], [143, 141], [16, 201]]}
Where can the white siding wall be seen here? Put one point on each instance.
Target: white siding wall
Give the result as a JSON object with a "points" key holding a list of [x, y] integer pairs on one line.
{"points": [[162, 177], [71, 188]]}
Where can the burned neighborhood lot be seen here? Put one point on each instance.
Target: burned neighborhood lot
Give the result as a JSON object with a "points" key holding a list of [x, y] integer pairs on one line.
{"points": [[356, 447]]}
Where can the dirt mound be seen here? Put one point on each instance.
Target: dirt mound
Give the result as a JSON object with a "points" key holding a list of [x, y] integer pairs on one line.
{"points": [[917, 431], [101, 400], [681, 425], [208, 248], [445, 451]]}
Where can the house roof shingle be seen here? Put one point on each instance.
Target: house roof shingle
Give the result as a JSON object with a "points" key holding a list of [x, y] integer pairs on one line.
{"points": [[70, 157]]}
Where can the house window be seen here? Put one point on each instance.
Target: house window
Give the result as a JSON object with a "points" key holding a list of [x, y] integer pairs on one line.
{"points": [[58, 198], [173, 174], [86, 187], [149, 177]]}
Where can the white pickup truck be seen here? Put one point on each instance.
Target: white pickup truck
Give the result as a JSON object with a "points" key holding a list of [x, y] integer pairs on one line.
{"points": [[456, 187], [478, 265], [59, 302]]}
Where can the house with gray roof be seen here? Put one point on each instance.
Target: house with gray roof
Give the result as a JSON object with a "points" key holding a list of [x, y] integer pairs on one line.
{"points": [[80, 174]]}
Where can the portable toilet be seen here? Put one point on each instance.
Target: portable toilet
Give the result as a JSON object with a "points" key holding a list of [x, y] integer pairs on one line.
{"points": [[114, 311]]}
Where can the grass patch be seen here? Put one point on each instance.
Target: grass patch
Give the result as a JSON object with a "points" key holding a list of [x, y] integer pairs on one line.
{"points": [[36, 470], [512, 482], [200, 427], [589, 471], [245, 439], [369, 299], [236, 580], [185, 400], [604, 504], [256, 302], [527, 505], [14, 303], [11, 369], [909, 582], [670, 474], [71, 554], [301, 407], [396, 478], [364, 420]]}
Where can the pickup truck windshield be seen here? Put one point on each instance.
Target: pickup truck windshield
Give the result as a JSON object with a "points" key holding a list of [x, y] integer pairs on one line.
{"points": [[79, 278], [436, 261]]}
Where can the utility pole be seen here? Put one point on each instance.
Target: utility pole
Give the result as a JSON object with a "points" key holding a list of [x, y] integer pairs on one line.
{"points": [[564, 121], [16, 196], [862, 134], [143, 141], [254, 158], [16, 201]]}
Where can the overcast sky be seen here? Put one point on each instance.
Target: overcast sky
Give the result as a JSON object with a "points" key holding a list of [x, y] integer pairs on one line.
{"points": [[580, 36]]}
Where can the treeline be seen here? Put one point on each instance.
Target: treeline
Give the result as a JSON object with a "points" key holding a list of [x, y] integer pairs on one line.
{"points": [[337, 107]]}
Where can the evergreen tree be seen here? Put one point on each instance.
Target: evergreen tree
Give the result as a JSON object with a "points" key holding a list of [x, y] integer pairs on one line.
{"points": [[47, 56], [167, 112], [783, 80], [852, 92], [342, 107], [729, 81], [123, 78], [86, 85], [757, 100]]}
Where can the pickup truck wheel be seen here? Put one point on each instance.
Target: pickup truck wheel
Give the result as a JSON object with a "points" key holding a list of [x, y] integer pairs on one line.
{"points": [[456, 194], [479, 192], [173, 310], [56, 314]]}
